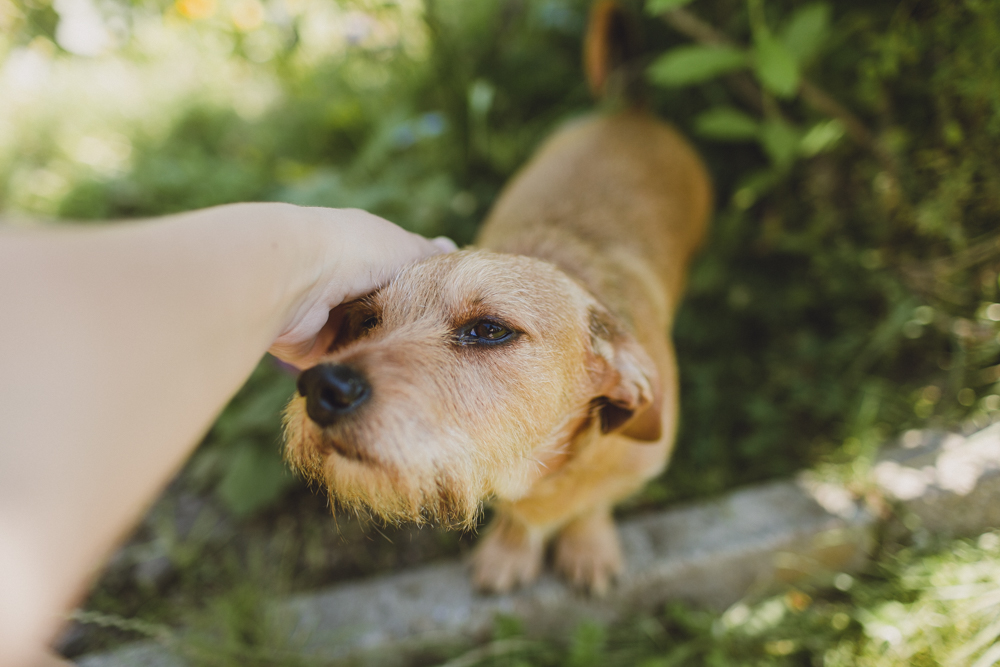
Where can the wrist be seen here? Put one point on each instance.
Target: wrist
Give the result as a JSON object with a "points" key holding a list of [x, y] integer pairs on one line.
{"points": [[309, 287], [311, 236]]}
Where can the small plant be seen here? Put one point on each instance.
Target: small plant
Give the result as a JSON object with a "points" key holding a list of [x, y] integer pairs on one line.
{"points": [[769, 75]]}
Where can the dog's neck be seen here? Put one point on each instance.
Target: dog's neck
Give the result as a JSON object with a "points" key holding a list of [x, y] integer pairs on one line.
{"points": [[628, 286]]}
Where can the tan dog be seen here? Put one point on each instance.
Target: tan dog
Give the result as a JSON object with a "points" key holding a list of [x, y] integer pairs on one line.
{"points": [[536, 370]]}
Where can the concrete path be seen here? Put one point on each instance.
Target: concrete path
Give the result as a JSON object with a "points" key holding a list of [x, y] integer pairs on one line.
{"points": [[711, 554]]}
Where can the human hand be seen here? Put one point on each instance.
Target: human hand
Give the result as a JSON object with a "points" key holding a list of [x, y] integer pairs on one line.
{"points": [[358, 253]]}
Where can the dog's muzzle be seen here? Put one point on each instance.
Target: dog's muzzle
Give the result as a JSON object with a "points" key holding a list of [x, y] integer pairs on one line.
{"points": [[332, 391]]}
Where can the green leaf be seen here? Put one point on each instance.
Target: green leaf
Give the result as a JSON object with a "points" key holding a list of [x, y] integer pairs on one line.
{"points": [[660, 6], [821, 136], [694, 64], [781, 142], [255, 478], [775, 66], [588, 645], [726, 124], [753, 186], [481, 94], [806, 31]]}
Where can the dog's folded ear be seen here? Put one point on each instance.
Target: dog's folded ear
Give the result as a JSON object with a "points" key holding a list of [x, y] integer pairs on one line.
{"points": [[627, 397]]}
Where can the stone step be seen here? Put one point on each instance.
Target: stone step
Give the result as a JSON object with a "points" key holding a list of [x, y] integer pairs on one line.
{"points": [[710, 554]]}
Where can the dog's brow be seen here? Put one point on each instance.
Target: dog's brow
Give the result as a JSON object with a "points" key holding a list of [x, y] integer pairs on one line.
{"points": [[480, 310]]}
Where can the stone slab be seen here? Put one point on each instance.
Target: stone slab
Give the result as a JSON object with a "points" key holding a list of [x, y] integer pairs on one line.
{"points": [[949, 482], [711, 554]]}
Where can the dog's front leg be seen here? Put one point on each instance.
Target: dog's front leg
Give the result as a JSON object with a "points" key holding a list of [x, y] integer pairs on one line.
{"points": [[510, 555], [588, 553]]}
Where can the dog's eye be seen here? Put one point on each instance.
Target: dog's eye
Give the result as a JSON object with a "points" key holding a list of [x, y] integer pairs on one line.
{"points": [[484, 331], [369, 323]]}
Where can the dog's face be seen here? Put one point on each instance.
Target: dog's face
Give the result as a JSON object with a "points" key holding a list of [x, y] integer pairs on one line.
{"points": [[465, 377]]}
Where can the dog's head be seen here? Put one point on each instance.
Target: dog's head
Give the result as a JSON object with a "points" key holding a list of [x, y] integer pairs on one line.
{"points": [[464, 377]]}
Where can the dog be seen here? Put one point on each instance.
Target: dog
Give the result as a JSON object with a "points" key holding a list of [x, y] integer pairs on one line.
{"points": [[535, 369]]}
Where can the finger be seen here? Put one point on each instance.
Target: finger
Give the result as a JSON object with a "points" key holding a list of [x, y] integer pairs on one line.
{"points": [[445, 244]]}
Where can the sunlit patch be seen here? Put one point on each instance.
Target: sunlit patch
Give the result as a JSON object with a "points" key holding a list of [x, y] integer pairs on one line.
{"points": [[81, 30], [247, 15], [195, 9], [106, 154]]}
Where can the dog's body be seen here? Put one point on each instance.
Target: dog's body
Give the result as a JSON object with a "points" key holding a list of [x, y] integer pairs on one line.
{"points": [[537, 370], [619, 203]]}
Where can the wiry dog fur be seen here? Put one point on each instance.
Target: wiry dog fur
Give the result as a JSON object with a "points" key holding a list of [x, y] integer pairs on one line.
{"points": [[583, 259]]}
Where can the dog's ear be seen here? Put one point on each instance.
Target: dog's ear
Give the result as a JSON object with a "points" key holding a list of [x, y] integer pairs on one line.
{"points": [[627, 385]]}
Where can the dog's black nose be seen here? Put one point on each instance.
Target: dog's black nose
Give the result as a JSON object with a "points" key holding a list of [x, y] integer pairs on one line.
{"points": [[332, 391]]}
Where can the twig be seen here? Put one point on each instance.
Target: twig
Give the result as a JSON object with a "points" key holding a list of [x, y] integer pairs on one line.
{"points": [[491, 650], [688, 24], [983, 251], [160, 633], [821, 101], [934, 278]]}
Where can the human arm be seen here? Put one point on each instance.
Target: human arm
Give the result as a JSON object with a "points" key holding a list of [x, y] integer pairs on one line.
{"points": [[118, 347]]}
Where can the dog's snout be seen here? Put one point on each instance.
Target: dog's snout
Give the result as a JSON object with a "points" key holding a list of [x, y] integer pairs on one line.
{"points": [[332, 391]]}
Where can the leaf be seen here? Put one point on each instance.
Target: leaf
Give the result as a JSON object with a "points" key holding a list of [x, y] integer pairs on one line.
{"points": [[695, 64], [726, 124], [587, 646], [806, 31], [781, 142], [775, 66], [659, 6], [753, 186], [821, 136], [481, 94], [255, 478]]}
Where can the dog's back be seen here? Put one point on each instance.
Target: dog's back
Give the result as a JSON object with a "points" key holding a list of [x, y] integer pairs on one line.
{"points": [[619, 201]]}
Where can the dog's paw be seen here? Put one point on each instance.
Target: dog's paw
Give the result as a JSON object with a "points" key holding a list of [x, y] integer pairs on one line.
{"points": [[588, 553], [509, 556]]}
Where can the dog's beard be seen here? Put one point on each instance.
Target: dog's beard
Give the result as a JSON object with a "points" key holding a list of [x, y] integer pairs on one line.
{"points": [[389, 491], [393, 497]]}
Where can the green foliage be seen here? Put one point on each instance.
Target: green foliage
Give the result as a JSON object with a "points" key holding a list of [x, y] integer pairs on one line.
{"points": [[776, 62], [660, 6], [688, 65], [241, 456], [241, 629], [726, 124], [587, 646], [775, 65], [807, 29], [252, 480], [821, 137], [818, 280]]}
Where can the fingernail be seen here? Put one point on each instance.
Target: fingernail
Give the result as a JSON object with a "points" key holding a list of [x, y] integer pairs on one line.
{"points": [[445, 244]]}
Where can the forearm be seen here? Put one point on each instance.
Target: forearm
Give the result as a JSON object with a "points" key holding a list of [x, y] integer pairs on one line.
{"points": [[194, 300]]}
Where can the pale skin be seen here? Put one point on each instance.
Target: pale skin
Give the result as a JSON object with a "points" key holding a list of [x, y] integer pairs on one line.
{"points": [[119, 345]]}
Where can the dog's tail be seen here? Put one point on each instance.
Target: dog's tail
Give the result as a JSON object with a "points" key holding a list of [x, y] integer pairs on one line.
{"points": [[611, 51]]}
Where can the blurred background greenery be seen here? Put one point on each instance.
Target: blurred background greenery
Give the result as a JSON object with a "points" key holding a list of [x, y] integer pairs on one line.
{"points": [[848, 291]]}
